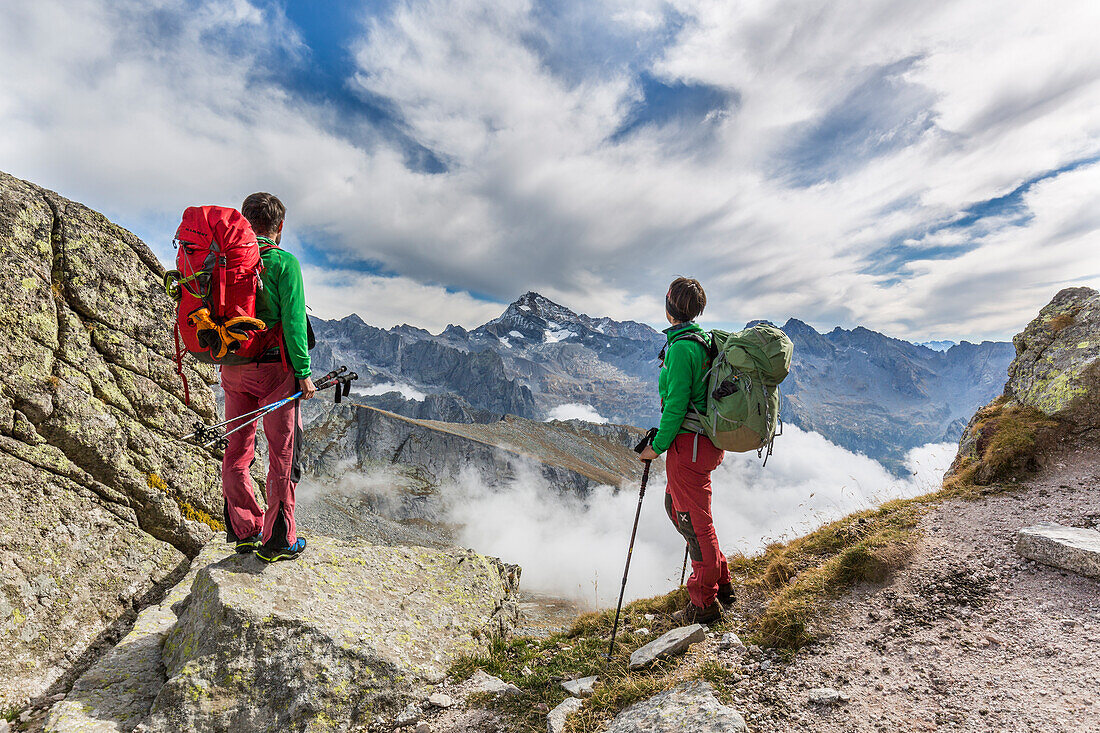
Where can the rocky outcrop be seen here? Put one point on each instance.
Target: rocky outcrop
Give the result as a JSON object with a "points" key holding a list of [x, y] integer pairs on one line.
{"points": [[1053, 392], [1057, 366], [116, 694], [101, 508], [346, 636], [689, 708], [668, 644], [353, 437]]}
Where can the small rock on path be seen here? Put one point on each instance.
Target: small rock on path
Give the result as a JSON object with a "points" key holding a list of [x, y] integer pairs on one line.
{"points": [[669, 643]]}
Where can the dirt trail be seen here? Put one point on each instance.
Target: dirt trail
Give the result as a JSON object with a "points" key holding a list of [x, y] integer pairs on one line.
{"points": [[969, 636]]}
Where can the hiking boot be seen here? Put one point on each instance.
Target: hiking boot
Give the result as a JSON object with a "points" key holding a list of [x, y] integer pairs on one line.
{"points": [[726, 595], [274, 554], [692, 614], [249, 544]]}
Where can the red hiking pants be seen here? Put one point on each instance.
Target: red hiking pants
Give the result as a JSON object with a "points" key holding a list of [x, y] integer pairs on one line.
{"points": [[687, 500], [247, 387]]}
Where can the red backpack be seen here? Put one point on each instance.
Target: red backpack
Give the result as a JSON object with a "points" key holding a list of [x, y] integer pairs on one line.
{"points": [[215, 283]]}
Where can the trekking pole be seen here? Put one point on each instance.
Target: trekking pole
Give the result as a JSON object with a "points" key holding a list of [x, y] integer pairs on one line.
{"points": [[633, 533], [684, 570], [203, 431], [341, 382]]}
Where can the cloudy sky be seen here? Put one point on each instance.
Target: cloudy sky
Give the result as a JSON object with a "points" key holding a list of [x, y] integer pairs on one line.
{"points": [[926, 168]]}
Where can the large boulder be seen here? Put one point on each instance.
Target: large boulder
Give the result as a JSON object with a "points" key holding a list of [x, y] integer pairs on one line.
{"points": [[346, 633], [1057, 366], [100, 507], [1053, 391], [117, 692], [1071, 548]]}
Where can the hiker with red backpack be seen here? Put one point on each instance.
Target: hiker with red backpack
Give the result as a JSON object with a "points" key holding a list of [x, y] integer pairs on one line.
{"points": [[279, 371], [690, 456], [241, 305]]}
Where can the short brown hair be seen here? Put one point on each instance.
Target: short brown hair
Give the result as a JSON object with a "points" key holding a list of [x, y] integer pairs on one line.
{"points": [[265, 212], [685, 300]]}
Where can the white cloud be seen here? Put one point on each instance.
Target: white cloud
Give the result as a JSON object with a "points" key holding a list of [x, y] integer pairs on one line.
{"points": [[574, 411], [407, 391], [575, 547], [392, 301], [140, 111]]}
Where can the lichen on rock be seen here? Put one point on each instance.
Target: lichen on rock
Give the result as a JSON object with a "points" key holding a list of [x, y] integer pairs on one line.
{"points": [[344, 633], [90, 404], [1053, 391]]}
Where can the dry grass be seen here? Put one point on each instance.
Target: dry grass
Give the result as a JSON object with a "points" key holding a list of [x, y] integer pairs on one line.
{"points": [[578, 652], [1060, 322]]}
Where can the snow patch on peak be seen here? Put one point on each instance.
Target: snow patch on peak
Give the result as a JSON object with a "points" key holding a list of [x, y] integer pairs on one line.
{"points": [[554, 336]]}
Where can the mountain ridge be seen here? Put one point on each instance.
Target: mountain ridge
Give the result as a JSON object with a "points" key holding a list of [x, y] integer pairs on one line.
{"points": [[867, 391]]}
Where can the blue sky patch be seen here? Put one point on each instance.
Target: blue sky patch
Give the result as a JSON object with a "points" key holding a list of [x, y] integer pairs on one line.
{"points": [[664, 103], [882, 113]]}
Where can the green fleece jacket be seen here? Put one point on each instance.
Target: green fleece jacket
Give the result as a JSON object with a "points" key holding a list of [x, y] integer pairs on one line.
{"points": [[681, 383], [283, 300]]}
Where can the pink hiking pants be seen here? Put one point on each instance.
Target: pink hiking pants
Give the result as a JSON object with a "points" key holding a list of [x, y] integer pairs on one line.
{"points": [[247, 387], [687, 502]]}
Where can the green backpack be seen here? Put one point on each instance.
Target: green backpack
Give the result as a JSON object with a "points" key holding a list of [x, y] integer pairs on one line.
{"points": [[742, 412]]}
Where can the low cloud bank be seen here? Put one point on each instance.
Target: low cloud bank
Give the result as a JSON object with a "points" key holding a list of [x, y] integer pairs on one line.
{"points": [[574, 547], [406, 391], [575, 411]]}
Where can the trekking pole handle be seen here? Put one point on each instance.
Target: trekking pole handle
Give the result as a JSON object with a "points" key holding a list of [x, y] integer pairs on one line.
{"points": [[646, 441]]}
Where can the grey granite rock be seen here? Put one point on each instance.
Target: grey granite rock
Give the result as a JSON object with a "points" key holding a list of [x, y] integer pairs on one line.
{"points": [[555, 721], [441, 700], [98, 499], [582, 687], [689, 708], [669, 643], [1069, 548], [731, 640], [484, 682], [826, 696], [345, 632], [116, 694], [1057, 366]]}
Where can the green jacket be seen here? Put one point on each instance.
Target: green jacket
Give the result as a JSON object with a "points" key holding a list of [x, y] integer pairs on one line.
{"points": [[680, 384], [283, 300]]}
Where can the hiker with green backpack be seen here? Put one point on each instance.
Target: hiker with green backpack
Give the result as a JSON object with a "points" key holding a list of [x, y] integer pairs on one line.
{"points": [[719, 391]]}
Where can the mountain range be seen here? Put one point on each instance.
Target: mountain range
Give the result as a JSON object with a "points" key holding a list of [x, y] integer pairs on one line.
{"points": [[861, 389]]}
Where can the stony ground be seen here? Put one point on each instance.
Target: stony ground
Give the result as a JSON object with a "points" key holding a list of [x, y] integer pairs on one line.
{"points": [[968, 637]]}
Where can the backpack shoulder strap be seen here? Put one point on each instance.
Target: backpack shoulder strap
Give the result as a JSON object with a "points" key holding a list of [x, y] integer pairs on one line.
{"points": [[703, 339]]}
